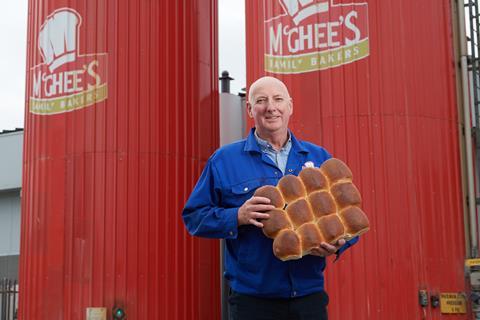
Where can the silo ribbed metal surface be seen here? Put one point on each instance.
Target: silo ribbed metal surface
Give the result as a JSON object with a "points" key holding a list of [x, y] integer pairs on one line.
{"points": [[121, 116], [389, 110]]}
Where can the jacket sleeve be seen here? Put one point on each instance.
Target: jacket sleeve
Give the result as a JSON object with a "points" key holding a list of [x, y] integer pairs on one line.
{"points": [[203, 216], [347, 245]]}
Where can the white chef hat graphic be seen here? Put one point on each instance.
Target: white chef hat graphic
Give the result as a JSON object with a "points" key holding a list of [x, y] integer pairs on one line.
{"points": [[57, 39], [302, 9]]}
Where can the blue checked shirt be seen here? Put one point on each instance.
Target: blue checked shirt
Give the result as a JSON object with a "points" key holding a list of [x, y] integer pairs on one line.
{"points": [[278, 157]]}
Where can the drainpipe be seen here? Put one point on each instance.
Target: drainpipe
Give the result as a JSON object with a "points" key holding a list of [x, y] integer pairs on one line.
{"points": [[468, 130]]}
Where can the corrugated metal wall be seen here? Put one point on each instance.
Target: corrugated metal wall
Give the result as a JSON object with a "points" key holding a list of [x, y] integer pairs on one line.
{"points": [[392, 116], [9, 224], [11, 160], [112, 151]]}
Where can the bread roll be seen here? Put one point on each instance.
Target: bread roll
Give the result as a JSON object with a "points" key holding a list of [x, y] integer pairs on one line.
{"points": [[346, 194], [310, 237], [277, 221], [331, 228], [313, 179], [272, 193], [287, 245], [335, 169], [292, 188], [300, 212], [355, 221], [322, 205]]}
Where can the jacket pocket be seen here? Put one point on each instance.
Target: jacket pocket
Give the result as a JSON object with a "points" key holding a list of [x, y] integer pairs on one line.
{"points": [[246, 187], [235, 195]]}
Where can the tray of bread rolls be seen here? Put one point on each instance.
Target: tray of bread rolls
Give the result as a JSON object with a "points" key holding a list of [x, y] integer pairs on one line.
{"points": [[319, 205]]}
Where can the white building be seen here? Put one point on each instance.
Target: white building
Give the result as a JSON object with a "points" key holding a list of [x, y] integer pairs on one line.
{"points": [[11, 144]]}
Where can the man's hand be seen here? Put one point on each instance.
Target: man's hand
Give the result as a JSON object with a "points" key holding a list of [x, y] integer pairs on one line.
{"points": [[253, 209], [326, 249]]}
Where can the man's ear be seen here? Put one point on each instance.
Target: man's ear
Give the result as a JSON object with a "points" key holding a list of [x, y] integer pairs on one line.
{"points": [[249, 110], [291, 106]]}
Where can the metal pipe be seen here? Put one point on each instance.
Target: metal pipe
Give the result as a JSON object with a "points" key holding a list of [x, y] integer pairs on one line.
{"points": [[475, 44], [474, 64], [468, 132], [225, 82]]}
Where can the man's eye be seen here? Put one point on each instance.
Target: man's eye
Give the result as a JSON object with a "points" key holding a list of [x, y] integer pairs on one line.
{"points": [[261, 101], [279, 99]]}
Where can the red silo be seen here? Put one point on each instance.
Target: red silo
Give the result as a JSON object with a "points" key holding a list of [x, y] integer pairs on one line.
{"points": [[121, 115], [375, 83]]}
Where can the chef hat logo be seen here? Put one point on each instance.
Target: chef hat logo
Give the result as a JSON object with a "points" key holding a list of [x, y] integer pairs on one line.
{"points": [[302, 9], [57, 39]]}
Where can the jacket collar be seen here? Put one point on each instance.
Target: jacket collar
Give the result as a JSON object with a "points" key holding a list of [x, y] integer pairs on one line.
{"points": [[251, 143]]}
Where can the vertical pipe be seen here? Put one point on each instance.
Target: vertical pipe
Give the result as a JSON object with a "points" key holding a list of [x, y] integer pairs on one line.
{"points": [[15, 292], [475, 63], [468, 131], [7, 304], [473, 21]]}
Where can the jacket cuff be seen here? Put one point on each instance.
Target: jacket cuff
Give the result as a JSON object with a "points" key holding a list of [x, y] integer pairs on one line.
{"points": [[231, 223], [347, 245]]}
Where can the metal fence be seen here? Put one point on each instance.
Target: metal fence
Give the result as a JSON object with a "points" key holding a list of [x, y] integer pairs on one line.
{"points": [[8, 299]]}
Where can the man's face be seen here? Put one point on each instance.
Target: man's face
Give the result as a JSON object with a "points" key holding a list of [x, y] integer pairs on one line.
{"points": [[270, 106]]}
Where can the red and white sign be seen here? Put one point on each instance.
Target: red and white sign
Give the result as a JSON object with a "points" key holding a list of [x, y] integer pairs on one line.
{"points": [[310, 35], [66, 80]]}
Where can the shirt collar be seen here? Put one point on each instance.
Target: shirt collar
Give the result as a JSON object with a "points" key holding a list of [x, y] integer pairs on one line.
{"points": [[264, 144], [251, 144]]}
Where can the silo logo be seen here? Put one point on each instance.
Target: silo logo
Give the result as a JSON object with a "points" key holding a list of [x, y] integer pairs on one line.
{"points": [[66, 80], [310, 35]]}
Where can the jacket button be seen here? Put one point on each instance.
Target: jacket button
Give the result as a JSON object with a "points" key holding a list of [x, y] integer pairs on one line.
{"points": [[276, 173], [290, 170], [245, 189]]}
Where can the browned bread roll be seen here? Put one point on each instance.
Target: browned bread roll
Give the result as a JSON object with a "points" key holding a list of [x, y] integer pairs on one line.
{"points": [[313, 179], [292, 188], [322, 205], [310, 236], [335, 169], [287, 245], [300, 212], [272, 193], [331, 227], [277, 222], [346, 194], [355, 221]]}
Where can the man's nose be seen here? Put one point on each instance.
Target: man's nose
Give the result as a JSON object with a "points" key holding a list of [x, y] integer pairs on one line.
{"points": [[271, 105]]}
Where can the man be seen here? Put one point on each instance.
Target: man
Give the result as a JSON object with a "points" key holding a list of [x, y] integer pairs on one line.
{"points": [[222, 205]]}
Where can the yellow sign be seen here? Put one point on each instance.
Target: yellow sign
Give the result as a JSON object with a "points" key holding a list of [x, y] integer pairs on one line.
{"points": [[317, 60], [472, 262], [452, 302], [69, 103], [96, 313]]}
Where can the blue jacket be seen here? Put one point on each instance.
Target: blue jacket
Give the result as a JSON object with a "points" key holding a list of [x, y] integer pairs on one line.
{"points": [[230, 178]]}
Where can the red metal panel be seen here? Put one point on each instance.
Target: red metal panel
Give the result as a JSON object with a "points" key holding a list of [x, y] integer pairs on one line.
{"points": [[392, 116], [112, 150]]}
